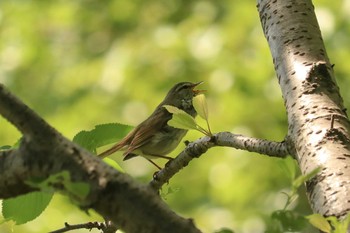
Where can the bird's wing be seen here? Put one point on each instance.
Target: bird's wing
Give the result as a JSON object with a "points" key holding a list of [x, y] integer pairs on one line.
{"points": [[147, 129], [119, 145]]}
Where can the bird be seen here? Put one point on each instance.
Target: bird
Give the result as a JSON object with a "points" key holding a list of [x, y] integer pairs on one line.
{"points": [[154, 138]]}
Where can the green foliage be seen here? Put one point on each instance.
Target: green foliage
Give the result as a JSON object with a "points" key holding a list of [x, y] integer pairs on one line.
{"points": [[26, 207], [165, 192], [101, 135], [290, 220], [113, 164], [303, 178], [320, 222], [339, 226], [201, 106], [80, 63], [180, 118], [329, 224], [183, 120], [290, 167], [286, 220], [36, 202], [5, 147], [62, 181], [297, 182]]}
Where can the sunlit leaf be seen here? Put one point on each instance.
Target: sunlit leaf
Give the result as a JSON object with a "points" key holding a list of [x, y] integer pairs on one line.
{"points": [[319, 222], [339, 226], [113, 164], [180, 119], [200, 104], [26, 207]]}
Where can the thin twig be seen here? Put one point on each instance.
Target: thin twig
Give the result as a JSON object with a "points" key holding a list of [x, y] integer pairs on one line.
{"points": [[89, 225], [197, 148]]}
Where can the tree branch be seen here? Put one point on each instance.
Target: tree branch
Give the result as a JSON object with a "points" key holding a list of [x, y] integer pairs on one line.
{"points": [[114, 195], [26, 120], [197, 148], [134, 207]]}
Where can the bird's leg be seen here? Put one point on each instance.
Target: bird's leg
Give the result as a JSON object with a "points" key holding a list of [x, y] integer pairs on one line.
{"points": [[163, 157], [154, 164]]}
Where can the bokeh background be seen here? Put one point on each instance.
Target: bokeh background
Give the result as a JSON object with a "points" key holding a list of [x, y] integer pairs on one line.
{"points": [[87, 62]]}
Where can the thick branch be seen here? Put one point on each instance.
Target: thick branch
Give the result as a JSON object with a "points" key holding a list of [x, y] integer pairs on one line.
{"points": [[25, 119], [133, 207], [227, 139]]}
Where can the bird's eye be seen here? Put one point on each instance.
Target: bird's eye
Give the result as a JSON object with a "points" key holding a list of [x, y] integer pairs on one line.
{"points": [[184, 86]]}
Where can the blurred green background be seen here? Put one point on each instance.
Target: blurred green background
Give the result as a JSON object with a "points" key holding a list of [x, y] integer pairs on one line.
{"points": [[82, 63]]}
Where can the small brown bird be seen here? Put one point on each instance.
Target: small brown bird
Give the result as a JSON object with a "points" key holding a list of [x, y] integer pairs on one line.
{"points": [[154, 138]]}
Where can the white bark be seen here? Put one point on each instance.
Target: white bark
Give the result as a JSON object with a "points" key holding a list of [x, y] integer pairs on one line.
{"points": [[318, 133]]}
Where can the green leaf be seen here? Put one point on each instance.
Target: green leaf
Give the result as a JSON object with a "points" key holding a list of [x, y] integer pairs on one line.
{"points": [[113, 164], [303, 178], [180, 118], [339, 226], [78, 189], [224, 230], [101, 135], [289, 220], [200, 104], [26, 207], [16, 145], [62, 181], [319, 222], [5, 147]]}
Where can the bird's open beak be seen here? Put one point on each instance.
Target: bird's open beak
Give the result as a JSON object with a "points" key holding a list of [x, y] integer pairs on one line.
{"points": [[197, 92]]}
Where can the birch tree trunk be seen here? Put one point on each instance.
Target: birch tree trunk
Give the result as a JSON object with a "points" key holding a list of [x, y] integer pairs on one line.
{"points": [[318, 133]]}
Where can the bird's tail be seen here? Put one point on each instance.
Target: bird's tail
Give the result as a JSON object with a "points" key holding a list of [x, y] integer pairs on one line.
{"points": [[110, 151]]}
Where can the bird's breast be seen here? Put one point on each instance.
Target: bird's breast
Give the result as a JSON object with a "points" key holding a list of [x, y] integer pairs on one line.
{"points": [[164, 141]]}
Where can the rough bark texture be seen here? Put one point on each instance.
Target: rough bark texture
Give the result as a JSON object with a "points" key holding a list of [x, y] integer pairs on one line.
{"points": [[131, 206], [318, 133], [318, 136], [43, 152]]}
